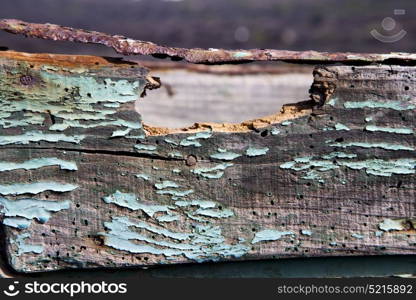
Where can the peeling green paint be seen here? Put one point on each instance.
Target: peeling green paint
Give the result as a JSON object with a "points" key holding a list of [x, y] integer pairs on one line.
{"points": [[166, 184], [389, 129], [143, 176], [256, 151], [131, 201], [204, 243], [396, 105], [170, 141], [357, 236], [32, 208], [381, 167], [386, 146], [339, 126], [187, 143], [215, 213], [306, 232], [175, 154], [35, 188], [37, 163], [23, 248], [201, 203], [392, 225], [332, 101], [144, 147], [333, 155], [19, 223], [270, 235], [37, 136], [168, 218], [315, 167], [241, 54], [274, 131], [212, 173], [225, 155]]}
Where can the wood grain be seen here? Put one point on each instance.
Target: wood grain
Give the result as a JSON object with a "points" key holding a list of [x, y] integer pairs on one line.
{"points": [[90, 187]]}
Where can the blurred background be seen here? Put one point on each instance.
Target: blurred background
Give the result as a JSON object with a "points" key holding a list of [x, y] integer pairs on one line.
{"points": [[190, 96]]}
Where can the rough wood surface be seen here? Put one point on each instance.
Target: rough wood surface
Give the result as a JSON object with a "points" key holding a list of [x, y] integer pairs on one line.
{"points": [[85, 184]]}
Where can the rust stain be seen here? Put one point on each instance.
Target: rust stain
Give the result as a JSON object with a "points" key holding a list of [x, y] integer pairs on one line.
{"points": [[128, 46]]}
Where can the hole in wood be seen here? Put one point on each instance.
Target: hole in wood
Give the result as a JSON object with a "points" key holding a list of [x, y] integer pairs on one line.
{"points": [[221, 94]]}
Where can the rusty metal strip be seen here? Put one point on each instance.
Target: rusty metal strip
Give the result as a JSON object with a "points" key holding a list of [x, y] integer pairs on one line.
{"points": [[128, 46]]}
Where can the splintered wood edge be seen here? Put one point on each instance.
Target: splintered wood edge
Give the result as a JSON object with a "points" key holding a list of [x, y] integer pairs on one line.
{"points": [[37, 60]]}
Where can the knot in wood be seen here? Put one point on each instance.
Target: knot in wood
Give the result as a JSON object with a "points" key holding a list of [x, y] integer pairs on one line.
{"points": [[191, 160]]}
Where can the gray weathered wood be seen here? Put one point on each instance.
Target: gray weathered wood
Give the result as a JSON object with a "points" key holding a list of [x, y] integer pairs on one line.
{"points": [[330, 176]]}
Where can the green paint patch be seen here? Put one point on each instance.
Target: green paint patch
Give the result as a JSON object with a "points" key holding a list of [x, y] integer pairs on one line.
{"points": [[36, 188], [132, 202], [38, 136], [386, 146], [396, 105], [270, 235], [339, 126], [23, 247], [37, 163], [256, 151], [31, 208], [212, 173], [397, 130], [221, 155]]}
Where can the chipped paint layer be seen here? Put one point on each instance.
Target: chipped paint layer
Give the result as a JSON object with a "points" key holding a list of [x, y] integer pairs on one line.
{"points": [[201, 203], [128, 46], [143, 147], [203, 243], [225, 155], [357, 236], [215, 213], [396, 105], [36, 188], [339, 126], [23, 247], [386, 146], [143, 176], [131, 201], [392, 225], [270, 235], [256, 151], [175, 193], [212, 173], [389, 129], [274, 131], [29, 209], [19, 223], [166, 184], [314, 168], [38, 136], [37, 163], [306, 232]]}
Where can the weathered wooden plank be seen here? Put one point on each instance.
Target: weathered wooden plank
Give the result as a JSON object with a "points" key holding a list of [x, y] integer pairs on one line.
{"points": [[85, 184]]}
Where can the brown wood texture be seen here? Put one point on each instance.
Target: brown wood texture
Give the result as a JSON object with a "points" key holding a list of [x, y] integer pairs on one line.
{"points": [[85, 184]]}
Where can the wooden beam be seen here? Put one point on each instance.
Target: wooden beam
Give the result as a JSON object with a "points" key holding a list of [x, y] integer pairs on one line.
{"points": [[84, 183]]}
